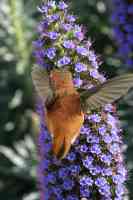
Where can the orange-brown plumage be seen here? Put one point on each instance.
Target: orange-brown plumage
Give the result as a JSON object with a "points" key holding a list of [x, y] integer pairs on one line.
{"points": [[64, 111], [64, 117]]}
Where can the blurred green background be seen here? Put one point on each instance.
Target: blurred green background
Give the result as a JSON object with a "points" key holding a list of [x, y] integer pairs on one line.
{"points": [[18, 130]]}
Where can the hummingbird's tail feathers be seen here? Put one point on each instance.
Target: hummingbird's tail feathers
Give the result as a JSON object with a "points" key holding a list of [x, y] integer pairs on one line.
{"points": [[108, 92], [58, 146], [61, 147]]}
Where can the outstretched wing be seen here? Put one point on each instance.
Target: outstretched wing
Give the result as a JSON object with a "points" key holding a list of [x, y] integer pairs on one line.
{"points": [[42, 84], [108, 92]]}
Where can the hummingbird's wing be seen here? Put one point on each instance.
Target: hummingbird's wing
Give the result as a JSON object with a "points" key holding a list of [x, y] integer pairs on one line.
{"points": [[42, 84], [108, 92]]}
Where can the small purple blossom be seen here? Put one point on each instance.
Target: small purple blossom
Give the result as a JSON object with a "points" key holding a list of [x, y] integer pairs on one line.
{"points": [[93, 139], [94, 73], [102, 130], [100, 182], [53, 18], [96, 149], [82, 50], [86, 181], [107, 159], [95, 118], [84, 192], [77, 82], [63, 61], [38, 43], [95, 170], [114, 148], [80, 67], [71, 156], [51, 53], [67, 27], [62, 5], [83, 148], [87, 162], [79, 35], [71, 18], [69, 44], [68, 184], [107, 139], [85, 130], [53, 35]]}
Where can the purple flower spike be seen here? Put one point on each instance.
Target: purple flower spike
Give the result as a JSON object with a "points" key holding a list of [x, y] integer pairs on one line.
{"points": [[122, 18], [93, 167]]}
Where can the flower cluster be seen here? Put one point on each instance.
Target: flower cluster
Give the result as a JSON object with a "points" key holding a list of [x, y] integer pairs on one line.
{"points": [[93, 169], [122, 18]]}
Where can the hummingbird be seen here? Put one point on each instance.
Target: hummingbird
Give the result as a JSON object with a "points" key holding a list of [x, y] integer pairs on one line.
{"points": [[66, 106]]}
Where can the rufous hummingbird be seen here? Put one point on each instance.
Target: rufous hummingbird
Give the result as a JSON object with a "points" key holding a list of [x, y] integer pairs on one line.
{"points": [[66, 107]]}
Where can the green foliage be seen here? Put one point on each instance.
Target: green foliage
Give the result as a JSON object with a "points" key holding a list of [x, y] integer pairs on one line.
{"points": [[18, 19]]}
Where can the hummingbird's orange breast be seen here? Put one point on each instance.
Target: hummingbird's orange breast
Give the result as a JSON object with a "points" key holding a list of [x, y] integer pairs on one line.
{"points": [[64, 119]]}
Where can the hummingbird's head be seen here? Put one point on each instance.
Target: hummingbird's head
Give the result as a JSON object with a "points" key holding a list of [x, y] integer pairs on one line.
{"points": [[61, 78]]}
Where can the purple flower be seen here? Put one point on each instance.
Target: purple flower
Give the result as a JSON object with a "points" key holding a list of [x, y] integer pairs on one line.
{"points": [[120, 190], [95, 170], [67, 27], [77, 82], [108, 108], [102, 130], [71, 18], [93, 139], [51, 178], [43, 9], [85, 130], [86, 181], [88, 161], [72, 197], [53, 18], [68, 184], [100, 182], [114, 148], [71, 156], [94, 73], [38, 43], [51, 53], [82, 50], [123, 29], [107, 172], [63, 61], [118, 179], [53, 35], [62, 5], [84, 192], [107, 159], [63, 172], [69, 44], [96, 149], [107, 139], [83, 148], [74, 169], [79, 35], [95, 118], [80, 67]]}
